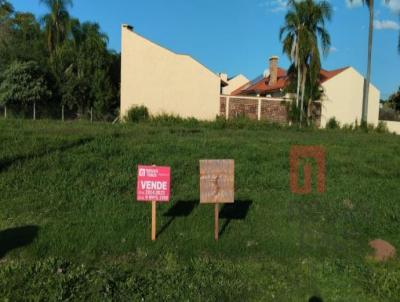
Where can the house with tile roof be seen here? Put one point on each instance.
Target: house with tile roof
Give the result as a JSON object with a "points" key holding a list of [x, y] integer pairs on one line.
{"points": [[172, 83], [342, 92]]}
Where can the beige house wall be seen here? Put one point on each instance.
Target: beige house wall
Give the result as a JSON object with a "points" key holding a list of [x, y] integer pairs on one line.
{"points": [[235, 83], [393, 126], [165, 82], [343, 99]]}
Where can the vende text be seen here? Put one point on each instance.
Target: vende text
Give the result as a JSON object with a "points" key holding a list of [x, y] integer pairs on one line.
{"points": [[153, 185]]}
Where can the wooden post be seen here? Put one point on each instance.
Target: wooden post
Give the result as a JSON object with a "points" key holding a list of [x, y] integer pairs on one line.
{"points": [[34, 111], [62, 112], [153, 220], [91, 114], [216, 220], [5, 111]]}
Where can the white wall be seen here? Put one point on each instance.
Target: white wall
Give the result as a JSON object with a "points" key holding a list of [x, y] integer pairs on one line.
{"points": [[343, 99], [165, 82], [235, 83], [393, 126]]}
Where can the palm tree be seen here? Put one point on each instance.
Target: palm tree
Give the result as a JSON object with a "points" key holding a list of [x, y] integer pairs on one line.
{"points": [[302, 35], [80, 58], [292, 30], [57, 22], [370, 5]]}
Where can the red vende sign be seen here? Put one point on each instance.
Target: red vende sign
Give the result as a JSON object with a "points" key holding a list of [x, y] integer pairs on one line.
{"points": [[153, 183]]}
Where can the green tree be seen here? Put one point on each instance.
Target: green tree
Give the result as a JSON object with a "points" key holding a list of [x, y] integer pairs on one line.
{"points": [[94, 63], [21, 39], [26, 43], [6, 15], [394, 100], [302, 35], [24, 83], [81, 72], [57, 22]]}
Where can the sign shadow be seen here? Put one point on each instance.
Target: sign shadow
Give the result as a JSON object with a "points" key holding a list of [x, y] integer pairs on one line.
{"points": [[234, 211], [18, 237], [179, 209]]}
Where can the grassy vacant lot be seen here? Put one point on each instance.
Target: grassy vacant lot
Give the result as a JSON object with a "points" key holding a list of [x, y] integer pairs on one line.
{"points": [[72, 230]]}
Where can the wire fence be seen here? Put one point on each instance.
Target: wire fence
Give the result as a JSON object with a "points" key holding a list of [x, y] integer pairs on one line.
{"points": [[63, 113]]}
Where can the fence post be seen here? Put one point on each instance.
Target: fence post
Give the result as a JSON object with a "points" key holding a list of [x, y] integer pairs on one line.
{"points": [[62, 113], [34, 111], [259, 109], [5, 111], [91, 114], [227, 108]]}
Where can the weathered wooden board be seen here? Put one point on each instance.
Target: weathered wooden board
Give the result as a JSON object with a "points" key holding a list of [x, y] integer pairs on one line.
{"points": [[217, 181]]}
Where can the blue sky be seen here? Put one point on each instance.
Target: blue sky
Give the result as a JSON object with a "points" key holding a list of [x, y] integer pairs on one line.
{"points": [[238, 36]]}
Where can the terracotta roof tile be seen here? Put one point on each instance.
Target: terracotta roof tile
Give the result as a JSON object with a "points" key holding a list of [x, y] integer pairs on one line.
{"points": [[262, 87]]}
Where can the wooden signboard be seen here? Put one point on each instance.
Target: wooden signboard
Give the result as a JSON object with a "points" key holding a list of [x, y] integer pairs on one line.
{"points": [[217, 185]]}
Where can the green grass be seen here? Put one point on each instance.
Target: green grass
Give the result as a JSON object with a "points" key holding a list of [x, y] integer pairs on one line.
{"points": [[72, 186]]}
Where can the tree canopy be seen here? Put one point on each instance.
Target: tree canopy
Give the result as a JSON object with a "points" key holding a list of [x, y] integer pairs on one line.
{"points": [[81, 71], [394, 100], [23, 83], [303, 34]]}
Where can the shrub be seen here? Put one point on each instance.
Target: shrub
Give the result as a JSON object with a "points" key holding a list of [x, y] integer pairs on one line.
{"points": [[137, 114], [382, 127], [349, 127], [165, 119], [367, 127], [293, 112], [333, 124]]}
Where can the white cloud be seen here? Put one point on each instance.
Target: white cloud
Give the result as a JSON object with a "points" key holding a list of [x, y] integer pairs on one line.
{"points": [[386, 24], [393, 5], [275, 6], [354, 3], [333, 49]]}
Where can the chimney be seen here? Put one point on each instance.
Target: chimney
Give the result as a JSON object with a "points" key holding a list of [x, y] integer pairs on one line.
{"points": [[273, 70], [127, 26], [224, 76]]}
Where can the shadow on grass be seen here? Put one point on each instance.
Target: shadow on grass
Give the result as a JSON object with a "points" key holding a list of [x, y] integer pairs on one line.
{"points": [[6, 163], [14, 238], [234, 211], [179, 209], [315, 299]]}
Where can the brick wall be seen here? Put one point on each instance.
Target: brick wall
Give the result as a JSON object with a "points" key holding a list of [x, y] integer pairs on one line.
{"points": [[243, 107], [273, 110], [222, 107]]}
